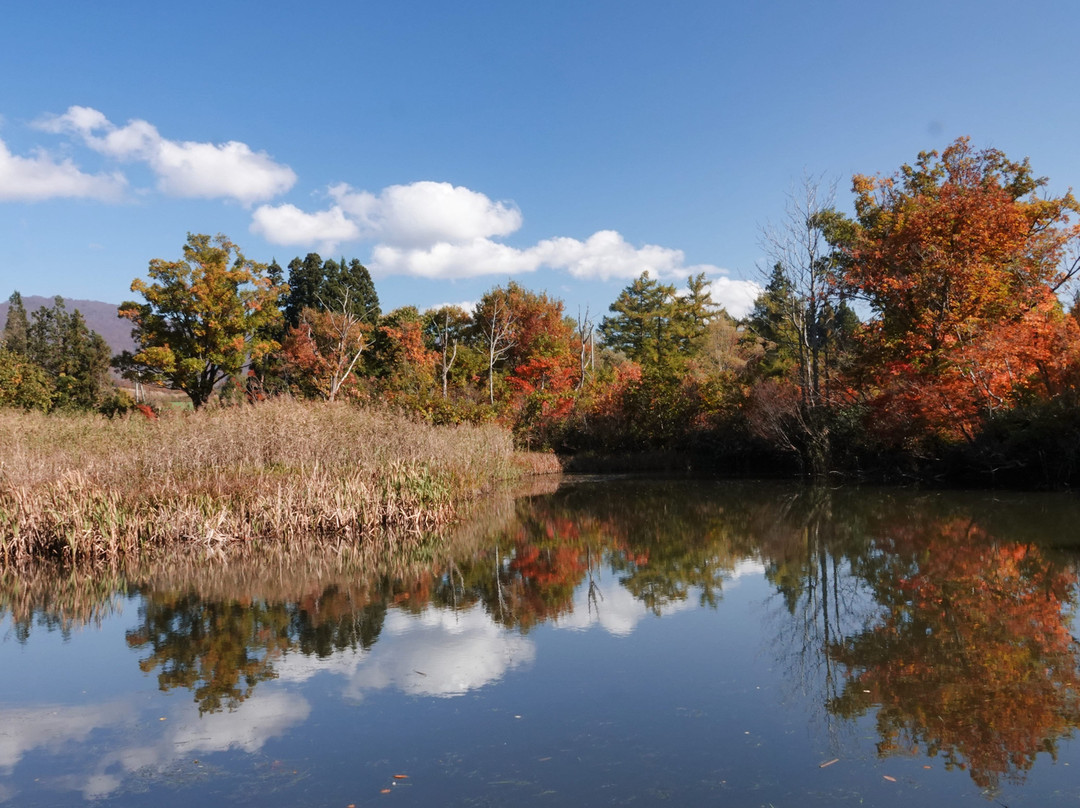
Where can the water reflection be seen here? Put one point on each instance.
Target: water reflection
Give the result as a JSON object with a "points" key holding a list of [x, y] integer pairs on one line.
{"points": [[947, 619], [968, 653]]}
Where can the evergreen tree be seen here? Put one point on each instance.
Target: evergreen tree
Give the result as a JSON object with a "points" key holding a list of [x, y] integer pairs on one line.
{"points": [[305, 285], [693, 313], [330, 286], [642, 325], [16, 325], [75, 358], [356, 280], [771, 321], [274, 273]]}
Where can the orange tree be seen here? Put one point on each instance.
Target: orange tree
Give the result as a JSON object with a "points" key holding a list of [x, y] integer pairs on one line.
{"points": [[202, 319], [960, 259], [322, 350]]}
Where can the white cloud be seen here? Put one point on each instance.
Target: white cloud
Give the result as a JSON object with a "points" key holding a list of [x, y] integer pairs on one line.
{"points": [[736, 296], [183, 168], [437, 230], [480, 256], [427, 213], [606, 255], [32, 179], [603, 256], [748, 568], [408, 219], [231, 169], [287, 224], [467, 306], [100, 785]]}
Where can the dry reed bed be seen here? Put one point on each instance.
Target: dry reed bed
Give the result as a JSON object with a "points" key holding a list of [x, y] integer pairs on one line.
{"points": [[73, 595], [81, 487]]}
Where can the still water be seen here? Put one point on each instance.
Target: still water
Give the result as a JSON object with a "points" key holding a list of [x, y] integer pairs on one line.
{"points": [[611, 642]]}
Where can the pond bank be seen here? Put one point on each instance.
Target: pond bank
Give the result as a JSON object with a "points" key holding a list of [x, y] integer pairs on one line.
{"points": [[81, 487]]}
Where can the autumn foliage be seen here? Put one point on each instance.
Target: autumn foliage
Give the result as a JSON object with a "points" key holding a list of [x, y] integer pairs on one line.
{"points": [[926, 335], [960, 261]]}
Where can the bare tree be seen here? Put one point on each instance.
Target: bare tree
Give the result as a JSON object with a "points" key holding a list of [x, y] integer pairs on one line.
{"points": [[800, 305], [798, 247], [327, 344], [584, 335], [494, 318], [444, 328]]}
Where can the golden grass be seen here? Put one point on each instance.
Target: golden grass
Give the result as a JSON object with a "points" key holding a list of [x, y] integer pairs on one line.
{"points": [[73, 595], [81, 487]]}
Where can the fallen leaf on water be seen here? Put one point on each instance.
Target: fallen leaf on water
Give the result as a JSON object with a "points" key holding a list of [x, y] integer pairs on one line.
{"points": [[385, 791], [401, 777], [829, 763], [928, 767], [890, 779]]}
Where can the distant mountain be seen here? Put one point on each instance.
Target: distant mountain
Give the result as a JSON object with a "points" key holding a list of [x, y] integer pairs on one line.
{"points": [[100, 317]]}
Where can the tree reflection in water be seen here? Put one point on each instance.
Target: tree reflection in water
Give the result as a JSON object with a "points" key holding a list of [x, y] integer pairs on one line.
{"points": [[941, 616], [969, 653]]}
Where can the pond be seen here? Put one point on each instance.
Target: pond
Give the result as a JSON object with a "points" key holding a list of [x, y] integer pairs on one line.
{"points": [[615, 641]]}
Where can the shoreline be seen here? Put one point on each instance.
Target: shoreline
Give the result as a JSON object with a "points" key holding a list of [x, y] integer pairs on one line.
{"points": [[84, 488]]}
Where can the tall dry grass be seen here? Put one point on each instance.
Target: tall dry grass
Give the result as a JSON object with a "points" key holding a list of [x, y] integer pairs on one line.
{"points": [[69, 596], [81, 487]]}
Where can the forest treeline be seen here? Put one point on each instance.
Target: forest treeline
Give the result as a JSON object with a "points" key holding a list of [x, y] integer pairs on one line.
{"points": [[923, 337]]}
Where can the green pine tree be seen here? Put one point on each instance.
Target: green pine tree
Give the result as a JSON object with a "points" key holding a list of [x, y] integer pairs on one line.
{"points": [[16, 325]]}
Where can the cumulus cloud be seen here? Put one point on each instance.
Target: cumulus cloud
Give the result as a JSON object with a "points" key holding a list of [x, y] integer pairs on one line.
{"points": [[443, 260], [408, 218], [32, 179], [437, 230], [426, 213], [265, 715], [185, 734], [183, 168], [606, 255], [287, 224], [736, 296]]}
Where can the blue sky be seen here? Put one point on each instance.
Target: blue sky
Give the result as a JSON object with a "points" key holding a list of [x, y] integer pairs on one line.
{"points": [[454, 146]]}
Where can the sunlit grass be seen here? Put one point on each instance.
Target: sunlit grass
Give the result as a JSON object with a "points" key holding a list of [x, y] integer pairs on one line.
{"points": [[84, 487]]}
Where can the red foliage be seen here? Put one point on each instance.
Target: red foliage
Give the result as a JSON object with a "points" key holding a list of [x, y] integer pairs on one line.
{"points": [[961, 262]]}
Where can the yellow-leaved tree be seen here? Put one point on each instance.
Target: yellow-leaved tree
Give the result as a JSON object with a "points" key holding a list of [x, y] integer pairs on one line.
{"points": [[203, 320]]}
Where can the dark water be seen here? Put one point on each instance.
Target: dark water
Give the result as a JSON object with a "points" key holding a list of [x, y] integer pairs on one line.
{"points": [[615, 642]]}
